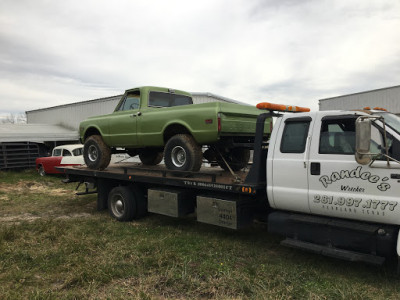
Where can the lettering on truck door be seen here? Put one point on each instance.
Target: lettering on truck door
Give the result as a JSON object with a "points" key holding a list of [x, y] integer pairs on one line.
{"points": [[289, 176], [341, 187]]}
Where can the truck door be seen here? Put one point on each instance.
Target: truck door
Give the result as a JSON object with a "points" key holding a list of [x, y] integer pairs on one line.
{"points": [[341, 187], [288, 188], [123, 122]]}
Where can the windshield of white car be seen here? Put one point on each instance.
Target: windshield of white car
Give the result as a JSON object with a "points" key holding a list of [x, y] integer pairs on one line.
{"points": [[391, 120], [57, 152]]}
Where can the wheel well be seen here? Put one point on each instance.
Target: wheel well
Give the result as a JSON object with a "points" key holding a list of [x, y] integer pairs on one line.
{"points": [[173, 129], [89, 132]]}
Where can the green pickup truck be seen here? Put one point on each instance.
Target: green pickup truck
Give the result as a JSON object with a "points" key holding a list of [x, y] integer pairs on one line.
{"points": [[157, 123]]}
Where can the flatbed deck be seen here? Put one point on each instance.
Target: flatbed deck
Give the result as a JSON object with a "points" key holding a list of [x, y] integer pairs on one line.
{"points": [[208, 178]]}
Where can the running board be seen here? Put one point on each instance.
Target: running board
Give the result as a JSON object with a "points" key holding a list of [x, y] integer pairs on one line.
{"points": [[334, 252]]}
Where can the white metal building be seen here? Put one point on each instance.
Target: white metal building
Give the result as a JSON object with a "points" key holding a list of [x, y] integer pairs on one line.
{"points": [[388, 98], [70, 115]]}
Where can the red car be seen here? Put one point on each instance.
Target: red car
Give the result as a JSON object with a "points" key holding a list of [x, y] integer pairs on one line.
{"points": [[65, 155]]}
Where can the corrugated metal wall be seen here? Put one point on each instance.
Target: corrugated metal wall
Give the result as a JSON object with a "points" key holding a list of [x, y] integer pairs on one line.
{"points": [[388, 98], [70, 115]]}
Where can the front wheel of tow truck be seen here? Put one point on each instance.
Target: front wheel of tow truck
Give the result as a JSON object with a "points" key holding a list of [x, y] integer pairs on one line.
{"points": [[96, 153], [127, 203]]}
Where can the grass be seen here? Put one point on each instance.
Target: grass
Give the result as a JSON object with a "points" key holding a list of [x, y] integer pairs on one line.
{"points": [[54, 244]]}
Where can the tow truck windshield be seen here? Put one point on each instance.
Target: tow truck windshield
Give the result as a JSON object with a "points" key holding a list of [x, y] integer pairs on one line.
{"points": [[391, 120]]}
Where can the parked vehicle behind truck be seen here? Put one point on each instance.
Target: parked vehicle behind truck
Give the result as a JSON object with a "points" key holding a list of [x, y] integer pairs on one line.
{"points": [[65, 155], [157, 123], [328, 181]]}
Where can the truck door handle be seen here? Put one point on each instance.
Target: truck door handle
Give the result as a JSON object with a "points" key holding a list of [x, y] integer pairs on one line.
{"points": [[315, 168], [138, 114]]}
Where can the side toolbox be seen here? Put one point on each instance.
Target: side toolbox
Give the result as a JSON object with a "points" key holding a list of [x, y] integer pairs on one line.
{"points": [[170, 202], [224, 213]]}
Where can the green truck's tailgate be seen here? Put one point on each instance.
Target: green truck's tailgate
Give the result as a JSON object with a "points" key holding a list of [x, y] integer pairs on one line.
{"points": [[240, 119]]}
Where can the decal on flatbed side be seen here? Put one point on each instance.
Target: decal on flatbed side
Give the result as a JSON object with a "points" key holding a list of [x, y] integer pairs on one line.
{"points": [[355, 173], [355, 205], [209, 185]]}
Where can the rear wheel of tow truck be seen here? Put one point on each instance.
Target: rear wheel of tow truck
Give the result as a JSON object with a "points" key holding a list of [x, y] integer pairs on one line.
{"points": [[150, 157], [141, 202], [237, 159], [41, 171], [96, 153], [122, 204], [182, 153], [126, 203]]}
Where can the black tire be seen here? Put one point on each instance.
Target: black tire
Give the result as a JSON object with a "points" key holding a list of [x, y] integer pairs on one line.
{"points": [[96, 153], [210, 155], [150, 157], [122, 203], [41, 171], [132, 152], [237, 158], [183, 153], [104, 187], [141, 201]]}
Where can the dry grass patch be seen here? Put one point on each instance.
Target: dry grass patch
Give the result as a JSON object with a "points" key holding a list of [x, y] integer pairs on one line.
{"points": [[24, 187]]}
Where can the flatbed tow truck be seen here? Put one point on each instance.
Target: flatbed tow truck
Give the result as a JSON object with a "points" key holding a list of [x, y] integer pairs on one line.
{"points": [[329, 182]]}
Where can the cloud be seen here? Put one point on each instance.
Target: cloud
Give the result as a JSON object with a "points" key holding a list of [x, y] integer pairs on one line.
{"points": [[55, 52]]}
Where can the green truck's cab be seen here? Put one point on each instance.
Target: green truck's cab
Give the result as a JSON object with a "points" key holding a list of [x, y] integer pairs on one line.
{"points": [[147, 118]]}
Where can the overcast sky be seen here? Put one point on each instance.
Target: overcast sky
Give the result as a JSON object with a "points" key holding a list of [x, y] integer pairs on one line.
{"points": [[284, 51]]}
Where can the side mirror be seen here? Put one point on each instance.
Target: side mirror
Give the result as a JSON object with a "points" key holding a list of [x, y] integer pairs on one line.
{"points": [[363, 140]]}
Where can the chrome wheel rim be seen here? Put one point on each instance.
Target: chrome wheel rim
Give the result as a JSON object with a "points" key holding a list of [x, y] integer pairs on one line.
{"points": [[117, 205], [178, 156], [93, 153]]}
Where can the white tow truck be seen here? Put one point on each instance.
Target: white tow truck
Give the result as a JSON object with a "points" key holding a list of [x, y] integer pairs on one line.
{"points": [[328, 181]]}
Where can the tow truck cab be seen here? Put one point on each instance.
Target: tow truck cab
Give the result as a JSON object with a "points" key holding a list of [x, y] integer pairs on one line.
{"points": [[327, 167]]}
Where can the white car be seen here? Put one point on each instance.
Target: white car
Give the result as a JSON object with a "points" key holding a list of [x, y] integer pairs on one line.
{"points": [[65, 155]]}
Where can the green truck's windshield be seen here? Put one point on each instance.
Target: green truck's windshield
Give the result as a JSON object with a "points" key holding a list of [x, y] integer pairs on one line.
{"points": [[391, 120]]}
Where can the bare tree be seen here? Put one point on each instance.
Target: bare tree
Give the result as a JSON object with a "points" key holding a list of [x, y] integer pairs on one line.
{"points": [[12, 118], [21, 118]]}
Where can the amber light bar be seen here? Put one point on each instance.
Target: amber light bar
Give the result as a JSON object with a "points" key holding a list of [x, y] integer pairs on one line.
{"points": [[375, 108], [281, 107]]}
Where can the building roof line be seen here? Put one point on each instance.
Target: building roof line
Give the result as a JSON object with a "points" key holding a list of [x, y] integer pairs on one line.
{"points": [[365, 92], [218, 97], [74, 103], [109, 98]]}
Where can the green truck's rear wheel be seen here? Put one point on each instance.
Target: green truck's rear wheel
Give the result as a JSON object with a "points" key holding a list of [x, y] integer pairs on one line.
{"points": [[182, 153], [96, 153], [237, 159]]}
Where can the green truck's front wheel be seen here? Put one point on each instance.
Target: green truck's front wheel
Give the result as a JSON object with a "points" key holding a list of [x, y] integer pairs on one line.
{"points": [[182, 153], [96, 153]]}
